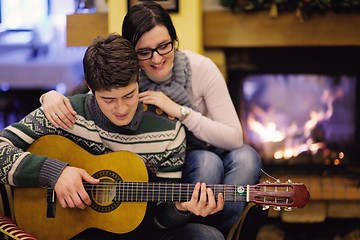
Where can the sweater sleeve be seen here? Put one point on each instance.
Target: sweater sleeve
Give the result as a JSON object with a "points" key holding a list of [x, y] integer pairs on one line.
{"points": [[20, 167], [216, 121]]}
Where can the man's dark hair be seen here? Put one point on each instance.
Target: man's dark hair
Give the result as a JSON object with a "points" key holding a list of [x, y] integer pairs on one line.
{"points": [[110, 63], [143, 17]]}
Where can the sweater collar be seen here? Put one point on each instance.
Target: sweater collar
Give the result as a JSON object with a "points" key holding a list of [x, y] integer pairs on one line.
{"points": [[103, 122]]}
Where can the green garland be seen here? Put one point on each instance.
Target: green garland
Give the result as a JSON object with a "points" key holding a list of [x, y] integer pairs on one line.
{"points": [[302, 8]]}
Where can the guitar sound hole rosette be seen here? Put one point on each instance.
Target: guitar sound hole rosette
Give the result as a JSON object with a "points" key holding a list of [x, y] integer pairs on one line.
{"points": [[103, 194]]}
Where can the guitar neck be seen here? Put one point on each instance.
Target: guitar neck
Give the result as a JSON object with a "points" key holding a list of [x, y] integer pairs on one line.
{"points": [[154, 191]]}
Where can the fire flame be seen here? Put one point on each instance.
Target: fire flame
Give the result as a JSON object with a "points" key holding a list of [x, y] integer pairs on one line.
{"points": [[284, 142]]}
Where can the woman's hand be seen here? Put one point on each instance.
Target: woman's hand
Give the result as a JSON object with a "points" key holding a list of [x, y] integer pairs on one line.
{"points": [[162, 101], [58, 109], [70, 190], [202, 202]]}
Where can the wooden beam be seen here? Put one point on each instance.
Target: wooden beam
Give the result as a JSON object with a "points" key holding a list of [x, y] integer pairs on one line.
{"points": [[81, 29], [227, 29]]}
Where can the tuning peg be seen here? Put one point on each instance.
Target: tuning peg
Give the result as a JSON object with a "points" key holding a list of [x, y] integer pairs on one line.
{"points": [[288, 209], [289, 181], [278, 181], [265, 207], [267, 181], [277, 208]]}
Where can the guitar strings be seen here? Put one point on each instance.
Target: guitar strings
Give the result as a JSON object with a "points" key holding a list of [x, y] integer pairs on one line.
{"points": [[140, 191], [183, 186]]}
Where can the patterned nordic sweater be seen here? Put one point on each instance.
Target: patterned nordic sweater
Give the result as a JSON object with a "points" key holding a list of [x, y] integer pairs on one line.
{"points": [[154, 136]]}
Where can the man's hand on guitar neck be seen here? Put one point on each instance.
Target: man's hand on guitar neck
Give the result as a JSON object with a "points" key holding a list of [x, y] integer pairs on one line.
{"points": [[70, 190], [202, 202]]}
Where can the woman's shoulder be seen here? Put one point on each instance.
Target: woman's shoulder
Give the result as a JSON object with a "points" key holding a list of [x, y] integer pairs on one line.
{"points": [[198, 60], [193, 55]]}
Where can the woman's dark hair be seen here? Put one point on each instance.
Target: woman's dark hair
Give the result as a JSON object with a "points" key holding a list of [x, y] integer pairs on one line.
{"points": [[110, 63], [143, 17]]}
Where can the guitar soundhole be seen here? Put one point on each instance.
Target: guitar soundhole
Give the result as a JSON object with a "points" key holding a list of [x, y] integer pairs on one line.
{"points": [[103, 194]]}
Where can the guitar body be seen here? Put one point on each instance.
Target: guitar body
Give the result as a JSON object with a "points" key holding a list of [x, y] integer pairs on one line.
{"points": [[30, 203]]}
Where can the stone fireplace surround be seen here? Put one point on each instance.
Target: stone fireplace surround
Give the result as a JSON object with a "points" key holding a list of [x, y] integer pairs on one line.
{"points": [[334, 192], [324, 44]]}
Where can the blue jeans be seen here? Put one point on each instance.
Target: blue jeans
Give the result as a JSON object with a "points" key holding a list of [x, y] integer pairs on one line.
{"points": [[216, 166], [190, 231]]}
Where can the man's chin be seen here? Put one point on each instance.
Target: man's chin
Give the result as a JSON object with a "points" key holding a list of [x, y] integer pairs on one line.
{"points": [[121, 123]]}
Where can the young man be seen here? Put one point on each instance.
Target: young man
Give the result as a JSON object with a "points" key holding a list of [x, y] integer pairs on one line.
{"points": [[110, 119]]}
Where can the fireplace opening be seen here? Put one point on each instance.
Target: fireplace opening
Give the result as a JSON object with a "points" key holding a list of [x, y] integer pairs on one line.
{"points": [[298, 106], [299, 118]]}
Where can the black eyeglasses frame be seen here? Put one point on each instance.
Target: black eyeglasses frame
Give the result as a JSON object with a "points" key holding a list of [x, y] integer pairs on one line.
{"points": [[156, 50]]}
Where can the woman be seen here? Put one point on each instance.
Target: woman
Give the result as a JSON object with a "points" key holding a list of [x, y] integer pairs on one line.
{"points": [[190, 87]]}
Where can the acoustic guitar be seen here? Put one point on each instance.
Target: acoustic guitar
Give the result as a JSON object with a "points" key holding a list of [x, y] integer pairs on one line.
{"points": [[119, 201]]}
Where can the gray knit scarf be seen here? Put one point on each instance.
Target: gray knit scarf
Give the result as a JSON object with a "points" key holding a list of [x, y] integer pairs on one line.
{"points": [[178, 87]]}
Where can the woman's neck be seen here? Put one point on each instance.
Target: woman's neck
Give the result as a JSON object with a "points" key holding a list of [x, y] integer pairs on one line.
{"points": [[160, 80]]}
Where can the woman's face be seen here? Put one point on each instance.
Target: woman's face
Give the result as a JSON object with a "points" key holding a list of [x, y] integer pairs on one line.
{"points": [[158, 66]]}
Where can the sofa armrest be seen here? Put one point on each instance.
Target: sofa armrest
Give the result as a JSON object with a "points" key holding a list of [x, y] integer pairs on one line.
{"points": [[9, 228]]}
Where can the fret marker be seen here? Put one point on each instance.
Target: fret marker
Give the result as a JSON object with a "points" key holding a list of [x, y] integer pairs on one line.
{"points": [[240, 190]]}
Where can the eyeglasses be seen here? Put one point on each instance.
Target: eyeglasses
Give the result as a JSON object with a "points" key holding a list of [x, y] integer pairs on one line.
{"points": [[163, 49]]}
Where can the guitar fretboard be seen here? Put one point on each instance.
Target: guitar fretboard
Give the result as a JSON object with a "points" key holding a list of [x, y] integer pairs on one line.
{"points": [[151, 192]]}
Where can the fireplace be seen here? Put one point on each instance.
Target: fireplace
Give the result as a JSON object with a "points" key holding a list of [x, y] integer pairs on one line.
{"points": [[298, 105]]}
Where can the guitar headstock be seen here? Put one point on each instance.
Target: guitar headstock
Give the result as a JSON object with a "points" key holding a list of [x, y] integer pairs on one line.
{"points": [[288, 195]]}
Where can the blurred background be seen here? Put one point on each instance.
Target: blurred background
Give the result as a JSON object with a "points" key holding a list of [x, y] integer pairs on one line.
{"points": [[292, 68]]}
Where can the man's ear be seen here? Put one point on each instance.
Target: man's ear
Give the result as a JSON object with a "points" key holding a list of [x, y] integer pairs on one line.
{"points": [[90, 89]]}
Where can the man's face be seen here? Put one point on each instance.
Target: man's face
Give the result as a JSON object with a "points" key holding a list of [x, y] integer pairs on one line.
{"points": [[119, 105]]}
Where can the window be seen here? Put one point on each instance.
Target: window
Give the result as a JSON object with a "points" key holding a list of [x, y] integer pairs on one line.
{"points": [[23, 14]]}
